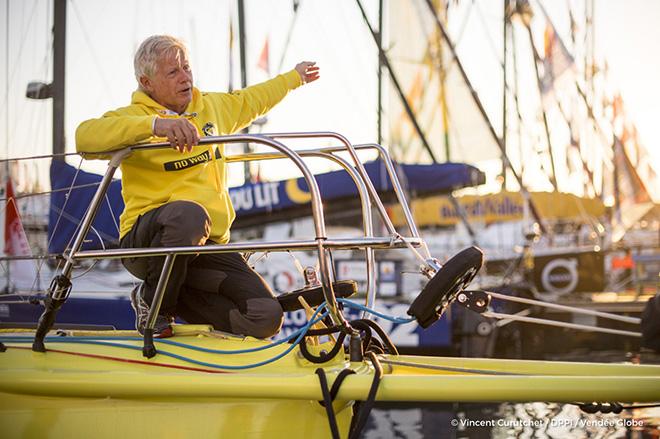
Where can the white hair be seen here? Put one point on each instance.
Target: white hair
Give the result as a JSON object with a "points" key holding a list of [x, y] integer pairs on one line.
{"points": [[146, 57]]}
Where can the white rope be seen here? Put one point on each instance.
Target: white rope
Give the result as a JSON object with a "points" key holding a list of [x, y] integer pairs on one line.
{"points": [[524, 312], [571, 309], [496, 315], [410, 246], [297, 263]]}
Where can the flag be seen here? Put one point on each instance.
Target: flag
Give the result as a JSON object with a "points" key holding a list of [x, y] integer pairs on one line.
{"points": [[263, 62], [22, 273], [629, 187], [557, 61]]}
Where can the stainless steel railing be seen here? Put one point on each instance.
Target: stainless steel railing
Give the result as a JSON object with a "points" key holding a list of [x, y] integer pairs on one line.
{"points": [[366, 190]]}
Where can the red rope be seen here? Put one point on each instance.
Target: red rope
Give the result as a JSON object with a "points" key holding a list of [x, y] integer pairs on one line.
{"points": [[126, 360]]}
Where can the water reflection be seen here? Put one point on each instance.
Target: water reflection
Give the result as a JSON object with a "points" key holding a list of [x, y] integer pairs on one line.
{"points": [[528, 420]]}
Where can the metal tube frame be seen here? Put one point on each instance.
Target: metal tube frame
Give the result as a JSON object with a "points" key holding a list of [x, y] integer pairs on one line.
{"points": [[86, 224], [317, 208], [366, 190], [432, 263], [367, 225], [389, 165]]}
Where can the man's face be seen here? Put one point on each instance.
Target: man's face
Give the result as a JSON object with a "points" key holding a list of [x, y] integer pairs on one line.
{"points": [[171, 84]]}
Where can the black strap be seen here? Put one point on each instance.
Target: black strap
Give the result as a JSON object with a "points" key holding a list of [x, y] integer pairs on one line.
{"points": [[327, 402], [323, 357], [361, 323], [365, 408], [323, 331], [337, 384]]}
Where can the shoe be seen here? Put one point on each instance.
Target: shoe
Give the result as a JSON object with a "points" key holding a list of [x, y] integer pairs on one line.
{"points": [[163, 325]]}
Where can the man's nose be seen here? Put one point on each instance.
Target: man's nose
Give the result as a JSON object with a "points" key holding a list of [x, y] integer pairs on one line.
{"points": [[185, 76]]}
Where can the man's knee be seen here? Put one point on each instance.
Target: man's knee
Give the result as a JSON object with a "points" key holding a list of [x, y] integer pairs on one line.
{"points": [[184, 223], [266, 317]]}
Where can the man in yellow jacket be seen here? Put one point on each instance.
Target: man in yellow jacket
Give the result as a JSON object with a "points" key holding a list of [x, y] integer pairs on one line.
{"points": [[179, 197]]}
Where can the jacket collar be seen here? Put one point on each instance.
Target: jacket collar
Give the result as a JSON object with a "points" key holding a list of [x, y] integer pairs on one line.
{"points": [[196, 105]]}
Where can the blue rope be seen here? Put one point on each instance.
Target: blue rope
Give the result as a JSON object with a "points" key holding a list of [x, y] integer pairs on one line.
{"points": [[80, 339], [401, 320], [95, 341]]}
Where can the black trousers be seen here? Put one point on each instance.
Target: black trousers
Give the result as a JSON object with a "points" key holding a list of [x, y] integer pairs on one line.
{"points": [[217, 289]]}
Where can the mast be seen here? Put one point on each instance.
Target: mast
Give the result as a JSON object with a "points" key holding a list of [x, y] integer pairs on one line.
{"points": [[491, 129], [7, 287], [379, 42], [443, 100], [505, 34], [395, 81], [247, 174], [383, 58], [59, 64], [537, 60], [516, 89]]}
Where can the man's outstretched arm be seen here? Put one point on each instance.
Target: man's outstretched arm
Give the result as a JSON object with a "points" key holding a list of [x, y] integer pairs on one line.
{"points": [[242, 107]]}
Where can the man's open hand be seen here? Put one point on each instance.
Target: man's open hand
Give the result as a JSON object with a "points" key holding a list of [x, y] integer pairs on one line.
{"points": [[308, 71], [180, 132]]}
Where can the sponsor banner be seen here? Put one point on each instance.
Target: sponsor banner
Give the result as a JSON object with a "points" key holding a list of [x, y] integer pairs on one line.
{"points": [[502, 206], [570, 272], [254, 198], [68, 207]]}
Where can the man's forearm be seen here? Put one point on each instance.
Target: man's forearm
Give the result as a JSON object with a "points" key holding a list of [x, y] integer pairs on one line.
{"points": [[259, 99], [113, 132]]}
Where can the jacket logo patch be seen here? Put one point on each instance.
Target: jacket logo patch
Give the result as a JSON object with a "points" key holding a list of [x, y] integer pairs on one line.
{"points": [[209, 129], [179, 165]]}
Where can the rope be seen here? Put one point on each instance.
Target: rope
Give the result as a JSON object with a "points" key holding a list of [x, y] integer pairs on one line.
{"points": [[449, 368], [572, 309], [365, 408], [410, 246], [327, 403], [95, 341], [34, 157], [323, 357], [367, 324], [400, 320], [496, 315]]}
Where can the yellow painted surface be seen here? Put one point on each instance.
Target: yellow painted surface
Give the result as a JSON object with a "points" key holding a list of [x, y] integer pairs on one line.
{"points": [[88, 390], [24, 416]]}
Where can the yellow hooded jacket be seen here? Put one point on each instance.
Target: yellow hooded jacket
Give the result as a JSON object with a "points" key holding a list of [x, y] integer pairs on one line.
{"points": [[153, 178]]}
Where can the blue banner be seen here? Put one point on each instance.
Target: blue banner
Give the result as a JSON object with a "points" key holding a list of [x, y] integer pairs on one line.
{"points": [[67, 207]]}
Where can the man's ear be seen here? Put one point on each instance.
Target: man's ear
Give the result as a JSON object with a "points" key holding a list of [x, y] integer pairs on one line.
{"points": [[145, 82]]}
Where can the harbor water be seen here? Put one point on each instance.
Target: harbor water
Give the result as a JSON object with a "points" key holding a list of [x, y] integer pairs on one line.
{"points": [[529, 420]]}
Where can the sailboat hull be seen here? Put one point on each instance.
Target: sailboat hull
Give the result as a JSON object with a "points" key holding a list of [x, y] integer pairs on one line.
{"points": [[99, 382]]}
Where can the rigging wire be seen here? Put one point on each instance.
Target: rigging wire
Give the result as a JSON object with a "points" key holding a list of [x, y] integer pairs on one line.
{"points": [[52, 191], [59, 218], [296, 10], [35, 157]]}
